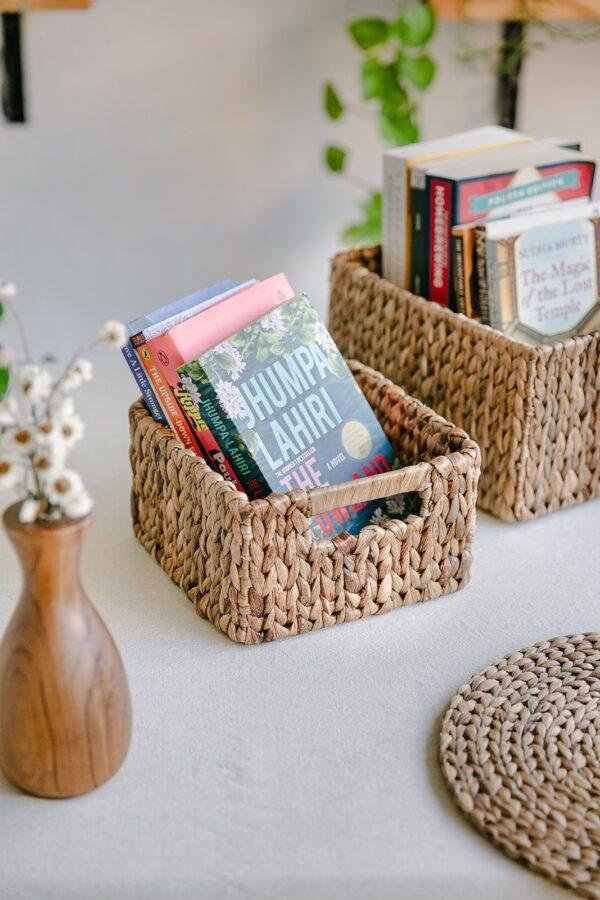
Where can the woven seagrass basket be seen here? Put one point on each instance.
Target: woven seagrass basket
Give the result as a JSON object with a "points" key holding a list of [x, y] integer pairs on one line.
{"points": [[255, 569], [534, 411]]}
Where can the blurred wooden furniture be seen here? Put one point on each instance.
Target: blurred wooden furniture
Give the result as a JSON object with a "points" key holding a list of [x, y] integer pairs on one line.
{"points": [[11, 11], [515, 16], [513, 9], [15, 6]]}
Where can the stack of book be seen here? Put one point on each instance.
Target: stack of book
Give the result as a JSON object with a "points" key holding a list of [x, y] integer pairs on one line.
{"points": [[497, 226], [248, 377]]}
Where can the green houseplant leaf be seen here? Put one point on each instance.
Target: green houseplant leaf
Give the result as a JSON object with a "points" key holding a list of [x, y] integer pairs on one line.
{"points": [[420, 71], [335, 158], [415, 26], [369, 230], [396, 105], [371, 78], [381, 81], [398, 129], [369, 32], [332, 102], [391, 75], [4, 378]]}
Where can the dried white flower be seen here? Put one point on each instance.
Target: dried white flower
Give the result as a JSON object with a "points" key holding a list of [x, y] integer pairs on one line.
{"points": [[10, 472], [8, 289], [42, 387], [37, 433], [62, 486], [113, 334], [84, 369], [47, 433], [29, 511], [71, 430], [5, 356], [231, 400], [79, 505], [70, 382], [64, 409], [48, 463], [21, 440], [8, 412], [34, 384], [51, 444], [28, 370]]}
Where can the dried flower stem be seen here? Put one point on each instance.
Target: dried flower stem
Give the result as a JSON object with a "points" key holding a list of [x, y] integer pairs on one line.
{"points": [[37, 432], [21, 329]]}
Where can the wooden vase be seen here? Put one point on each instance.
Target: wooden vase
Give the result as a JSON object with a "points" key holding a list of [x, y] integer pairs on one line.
{"points": [[65, 711]]}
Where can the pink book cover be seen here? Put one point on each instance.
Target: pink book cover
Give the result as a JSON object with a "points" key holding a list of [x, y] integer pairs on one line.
{"points": [[186, 341]]}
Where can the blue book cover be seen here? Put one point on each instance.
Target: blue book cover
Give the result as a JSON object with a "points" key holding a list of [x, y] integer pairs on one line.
{"points": [[158, 321], [286, 400], [139, 373], [177, 306]]}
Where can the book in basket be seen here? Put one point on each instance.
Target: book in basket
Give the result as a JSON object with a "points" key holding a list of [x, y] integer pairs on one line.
{"points": [[543, 273], [397, 166], [287, 412], [163, 353], [481, 187], [136, 328]]}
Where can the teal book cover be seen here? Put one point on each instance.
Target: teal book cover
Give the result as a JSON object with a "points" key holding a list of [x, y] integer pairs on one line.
{"points": [[288, 413]]}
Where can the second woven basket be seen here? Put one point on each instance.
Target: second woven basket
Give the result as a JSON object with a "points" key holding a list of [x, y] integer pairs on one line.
{"points": [[534, 411]]}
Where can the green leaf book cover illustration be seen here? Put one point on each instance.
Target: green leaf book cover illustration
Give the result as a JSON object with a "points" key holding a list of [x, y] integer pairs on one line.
{"points": [[288, 413]]}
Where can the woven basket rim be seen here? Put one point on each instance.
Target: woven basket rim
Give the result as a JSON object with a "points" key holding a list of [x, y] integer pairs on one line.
{"points": [[355, 259], [246, 508]]}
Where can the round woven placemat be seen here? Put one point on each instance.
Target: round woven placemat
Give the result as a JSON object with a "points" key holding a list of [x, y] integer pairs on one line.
{"points": [[520, 750]]}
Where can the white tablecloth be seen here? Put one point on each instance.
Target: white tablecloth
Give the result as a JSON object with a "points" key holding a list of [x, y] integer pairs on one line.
{"points": [[306, 768]]}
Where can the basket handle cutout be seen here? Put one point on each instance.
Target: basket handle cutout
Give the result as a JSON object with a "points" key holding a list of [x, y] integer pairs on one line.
{"points": [[373, 487]]}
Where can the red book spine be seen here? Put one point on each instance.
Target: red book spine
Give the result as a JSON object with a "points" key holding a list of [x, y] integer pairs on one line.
{"points": [[172, 410], [440, 235], [211, 449], [161, 365]]}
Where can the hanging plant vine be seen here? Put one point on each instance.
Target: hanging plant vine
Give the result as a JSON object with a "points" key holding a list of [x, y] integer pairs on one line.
{"points": [[394, 70], [522, 35]]}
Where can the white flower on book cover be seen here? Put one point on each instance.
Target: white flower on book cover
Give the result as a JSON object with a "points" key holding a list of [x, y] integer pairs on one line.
{"points": [[231, 400], [190, 386], [379, 517], [273, 322], [323, 338], [251, 441], [225, 361], [230, 358], [396, 505]]}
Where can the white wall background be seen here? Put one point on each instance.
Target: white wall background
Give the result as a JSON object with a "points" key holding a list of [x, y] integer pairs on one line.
{"points": [[170, 143]]}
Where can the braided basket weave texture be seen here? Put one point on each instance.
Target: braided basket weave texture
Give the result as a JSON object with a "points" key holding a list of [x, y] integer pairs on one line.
{"points": [[520, 750], [255, 569], [534, 411]]}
